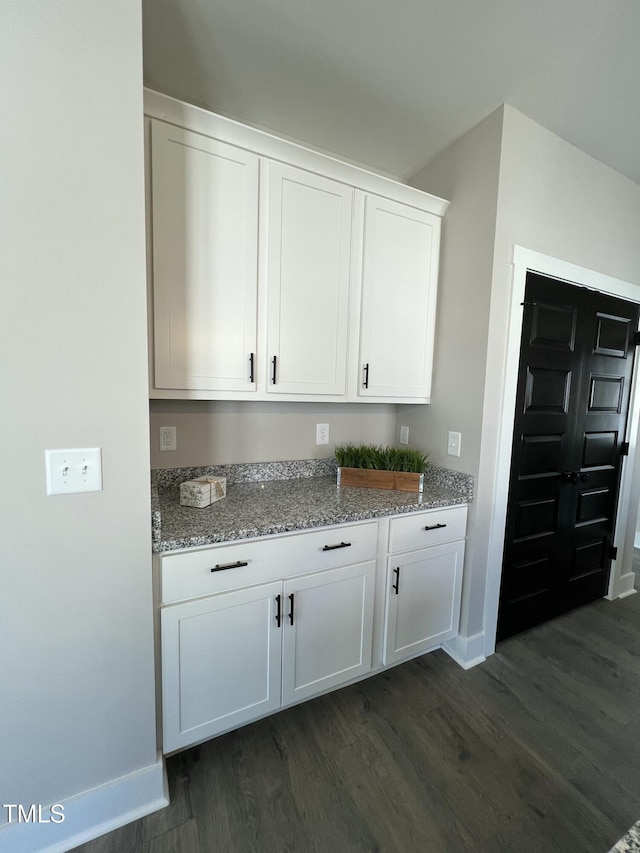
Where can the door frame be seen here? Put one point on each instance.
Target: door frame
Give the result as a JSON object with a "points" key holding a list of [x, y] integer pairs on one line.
{"points": [[621, 581]]}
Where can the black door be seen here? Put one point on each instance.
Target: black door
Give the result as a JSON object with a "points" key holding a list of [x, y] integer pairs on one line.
{"points": [[574, 382]]}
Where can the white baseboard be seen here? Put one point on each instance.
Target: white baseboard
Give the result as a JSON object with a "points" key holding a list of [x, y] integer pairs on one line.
{"points": [[467, 652], [92, 813], [626, 584]]}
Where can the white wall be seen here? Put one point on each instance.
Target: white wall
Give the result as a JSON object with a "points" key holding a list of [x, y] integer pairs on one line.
{"points": [[219, 433], [77, 679], [467, 174]]}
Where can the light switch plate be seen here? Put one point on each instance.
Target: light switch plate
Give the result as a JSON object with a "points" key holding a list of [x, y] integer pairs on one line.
{"points": [[453, 444], [74, 470]]}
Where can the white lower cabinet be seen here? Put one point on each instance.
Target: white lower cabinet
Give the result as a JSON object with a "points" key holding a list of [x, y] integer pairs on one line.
{"points": [[250, 627], [220, 663], [328, 630], [423, 600], [233, 655], [423, 582]]}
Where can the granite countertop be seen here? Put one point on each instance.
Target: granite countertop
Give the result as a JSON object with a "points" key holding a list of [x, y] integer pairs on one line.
{"points": [[287, 498]]}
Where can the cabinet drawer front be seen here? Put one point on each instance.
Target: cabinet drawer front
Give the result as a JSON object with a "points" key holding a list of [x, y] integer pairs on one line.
{"points": [[419, 530], [330, 547], [208, 571]]}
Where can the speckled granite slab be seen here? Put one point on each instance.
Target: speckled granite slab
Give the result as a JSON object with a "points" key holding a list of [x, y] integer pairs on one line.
{"points": [[629, 843], [254, 472], [278, 503]]}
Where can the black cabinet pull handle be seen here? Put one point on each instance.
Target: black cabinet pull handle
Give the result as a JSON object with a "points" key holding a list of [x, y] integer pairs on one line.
{"points": [[251, 366], [435, 526], [583, 477], [333, 547], [365, 381], [222, 567], [274, 361], [291, 610], [279, 610], [396, 586]]}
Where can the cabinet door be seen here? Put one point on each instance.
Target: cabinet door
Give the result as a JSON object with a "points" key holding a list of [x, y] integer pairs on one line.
{"points": [[328, 630], [399, 285], [205, 265], [221, 663], [423, 600], [308, 274]]}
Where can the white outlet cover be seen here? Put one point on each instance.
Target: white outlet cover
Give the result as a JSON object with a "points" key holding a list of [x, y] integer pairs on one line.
{"points": [[73, 470], [322, 433], [168, 438]]}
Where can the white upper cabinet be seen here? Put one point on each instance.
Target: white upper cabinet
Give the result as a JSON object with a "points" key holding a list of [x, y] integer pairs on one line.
{"points": [[308, 272], [399, 281], [280, 273], [205, 257]]}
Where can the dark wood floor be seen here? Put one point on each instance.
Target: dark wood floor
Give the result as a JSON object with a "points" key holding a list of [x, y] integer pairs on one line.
{"points": [[538, 749]]}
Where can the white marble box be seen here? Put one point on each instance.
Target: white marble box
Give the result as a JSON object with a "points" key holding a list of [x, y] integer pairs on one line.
{"points": [[202, 492]]}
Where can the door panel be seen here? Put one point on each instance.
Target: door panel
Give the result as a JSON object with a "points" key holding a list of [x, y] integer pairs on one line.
{"points": [[308, 272], [398, 303], [576, 362], [423, 600], [328, 630], [205, 274], [221, 663]]}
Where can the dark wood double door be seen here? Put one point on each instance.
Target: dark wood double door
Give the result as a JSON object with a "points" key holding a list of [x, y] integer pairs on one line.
{"points": [[574, 382]]}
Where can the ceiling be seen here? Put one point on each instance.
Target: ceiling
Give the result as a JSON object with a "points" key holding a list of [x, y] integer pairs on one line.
{"points": [[391, 83]]}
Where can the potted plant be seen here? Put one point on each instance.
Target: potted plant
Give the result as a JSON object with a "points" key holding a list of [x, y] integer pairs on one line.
{"points": [[375, 467]]}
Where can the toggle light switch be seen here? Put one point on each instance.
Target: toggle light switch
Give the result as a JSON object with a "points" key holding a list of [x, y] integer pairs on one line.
{"points": [[453, 444], [71, 471]]}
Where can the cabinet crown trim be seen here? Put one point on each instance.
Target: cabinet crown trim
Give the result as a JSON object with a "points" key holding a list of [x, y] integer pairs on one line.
{"points": [[263, 143]]}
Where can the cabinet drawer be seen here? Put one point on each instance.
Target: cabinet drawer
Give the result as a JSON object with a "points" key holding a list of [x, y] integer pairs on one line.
{"points": [[207, 571], [419, 530]]}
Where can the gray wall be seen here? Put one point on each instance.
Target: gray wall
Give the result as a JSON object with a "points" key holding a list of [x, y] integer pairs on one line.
{"points": [[467, 173], [219, 433], [510, 182], [77, 697], [559, 201]]}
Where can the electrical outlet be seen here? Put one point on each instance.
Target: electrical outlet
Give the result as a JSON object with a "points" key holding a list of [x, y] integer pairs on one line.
{"points": [[322, 433], [168, 438], [453, 444], [404, 435]]}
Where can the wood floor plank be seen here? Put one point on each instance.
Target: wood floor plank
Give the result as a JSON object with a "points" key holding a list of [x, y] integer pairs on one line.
{"points": [[179, 839], [126, 839], [241, 795], [387, 803], [179, 809]]}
